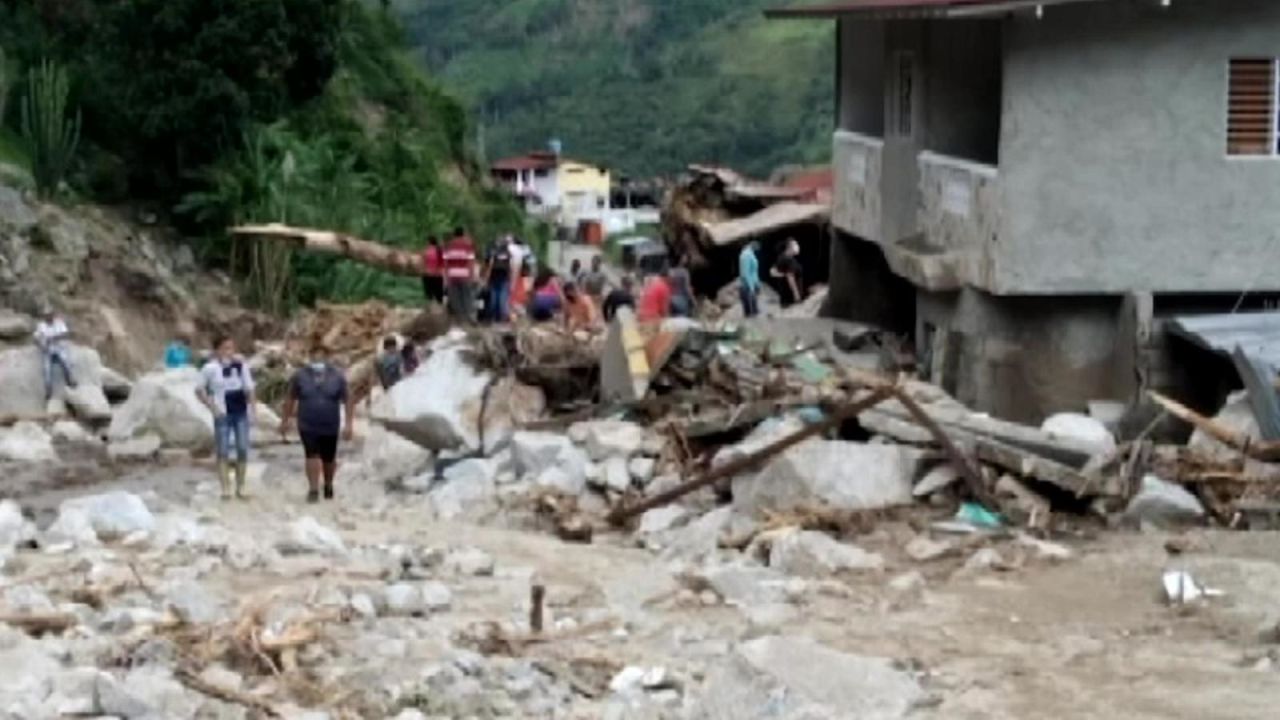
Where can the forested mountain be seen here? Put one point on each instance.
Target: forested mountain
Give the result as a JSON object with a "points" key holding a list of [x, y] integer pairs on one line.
{"points": [[642, 85], [310, 112]]}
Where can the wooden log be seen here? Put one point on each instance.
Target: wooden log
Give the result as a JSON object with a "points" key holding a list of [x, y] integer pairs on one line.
{"points": [[374, 254], [1258, 450], [40, 623]]}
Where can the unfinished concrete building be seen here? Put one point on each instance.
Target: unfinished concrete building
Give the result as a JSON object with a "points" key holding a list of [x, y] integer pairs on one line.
{"points": [[1030, 187]]}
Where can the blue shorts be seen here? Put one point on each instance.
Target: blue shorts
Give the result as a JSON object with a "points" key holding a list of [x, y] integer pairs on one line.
{"points": [[232, 432]]}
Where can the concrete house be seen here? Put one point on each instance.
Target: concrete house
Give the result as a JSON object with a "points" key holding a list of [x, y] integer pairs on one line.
{"points": [[1030, 187], [551, 185]]}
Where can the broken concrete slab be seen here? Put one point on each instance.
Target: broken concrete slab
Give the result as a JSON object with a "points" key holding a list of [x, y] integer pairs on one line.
{"points": [[835, 474], [624, 366], [797, 678]]}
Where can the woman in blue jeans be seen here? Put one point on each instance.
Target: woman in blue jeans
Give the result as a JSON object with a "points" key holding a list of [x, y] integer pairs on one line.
{"points": [[226, 388]]}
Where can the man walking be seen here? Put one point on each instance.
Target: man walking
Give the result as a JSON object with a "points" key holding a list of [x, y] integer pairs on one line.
{"points": [[789, 271], [226, 388], [318, 397], [51, 337], [460, 276], [749, 279]]}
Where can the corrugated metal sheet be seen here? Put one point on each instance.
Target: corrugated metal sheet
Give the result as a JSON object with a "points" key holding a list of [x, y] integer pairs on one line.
{"points": [[1258, 334], [910, 8]]}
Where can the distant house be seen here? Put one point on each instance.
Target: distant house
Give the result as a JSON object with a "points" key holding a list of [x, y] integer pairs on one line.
{"points": [[1032, 188], [553, 186]]}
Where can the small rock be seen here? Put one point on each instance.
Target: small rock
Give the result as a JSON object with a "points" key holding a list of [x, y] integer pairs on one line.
{"points": [[628, 680], [1163, 503], [907, 582], [608, 438], [616, 476], [112, 515], [194, 604], [661, 519], [70, 431], [470, 561], [926, 549], [221, 677], [1087, 432], [307, 535], [72, 527], [143, 447], [642, 469], [14, 528], [436, 596], [403, 599], [814, 554], [562, 479], [984, 559], [27, 442], [364, 606]]}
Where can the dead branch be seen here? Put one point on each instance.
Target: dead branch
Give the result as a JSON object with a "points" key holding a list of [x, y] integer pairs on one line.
{"points": [[40, 623], [225, 694], [1257, 450]]}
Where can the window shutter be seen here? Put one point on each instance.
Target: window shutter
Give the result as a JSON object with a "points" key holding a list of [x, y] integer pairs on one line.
{"points": [[1251, 110]]}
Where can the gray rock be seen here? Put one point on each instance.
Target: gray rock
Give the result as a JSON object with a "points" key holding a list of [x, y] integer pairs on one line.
{"points": [[88, 402], [23, 392], [616, 475], [72, 432], [26, 442], [403, 599], [532, 453], [642, 469], [113, 516], [840, 475], [604, 439], [73, 526], [1085, 431], [773, 677], [907, 582], [143, 447], [27, 598], [364, 606], [747, 586], [814, 554], [22, 693], [14, 528], [661, 519], [15, 326], [165, 403], [307, 535], [437, 407], [1163, 503], [699, 538], [145, 692], [469, 561], [436, 596], [468, 490], [983, 559], [562, 479], [390, 458]]}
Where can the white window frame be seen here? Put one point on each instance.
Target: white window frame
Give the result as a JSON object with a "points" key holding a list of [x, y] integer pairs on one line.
{"points": [[1275, 112]]}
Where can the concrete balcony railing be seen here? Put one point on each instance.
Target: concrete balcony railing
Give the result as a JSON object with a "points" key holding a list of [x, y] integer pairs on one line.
{"points": [[856, 161], [958, 221]]}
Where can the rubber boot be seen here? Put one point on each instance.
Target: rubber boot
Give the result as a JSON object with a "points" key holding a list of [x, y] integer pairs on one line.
{"points": [[242, 471], [224, 477]]}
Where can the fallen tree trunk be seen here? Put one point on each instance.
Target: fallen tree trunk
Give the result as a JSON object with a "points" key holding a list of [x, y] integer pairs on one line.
{"points": [[332, 243], [1262, 450]]}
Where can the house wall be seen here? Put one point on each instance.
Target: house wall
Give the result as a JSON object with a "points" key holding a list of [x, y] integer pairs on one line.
{"points": [[1112, 152]]}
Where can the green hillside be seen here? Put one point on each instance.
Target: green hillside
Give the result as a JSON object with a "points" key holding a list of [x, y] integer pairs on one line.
{"points": [[643, 85]]}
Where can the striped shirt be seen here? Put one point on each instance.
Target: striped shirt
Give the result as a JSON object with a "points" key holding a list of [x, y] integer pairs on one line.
{"points": [[460, 259]]}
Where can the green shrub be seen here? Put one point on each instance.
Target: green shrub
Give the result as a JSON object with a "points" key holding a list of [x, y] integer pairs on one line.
{"points": [[50, 135]]}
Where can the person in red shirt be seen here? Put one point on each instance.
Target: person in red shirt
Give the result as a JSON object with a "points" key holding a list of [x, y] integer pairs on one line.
{"points": [[655, 300], [460, 276], [433, 271]]}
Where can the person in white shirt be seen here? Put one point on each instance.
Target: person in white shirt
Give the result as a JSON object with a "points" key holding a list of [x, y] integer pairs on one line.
{"points": [[51, 337], [226, 388]]}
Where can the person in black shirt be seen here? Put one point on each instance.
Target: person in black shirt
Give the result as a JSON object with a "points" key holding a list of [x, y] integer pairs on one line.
{"points": [[318, 393], [623, 296], [789, 271], [498, 273]]}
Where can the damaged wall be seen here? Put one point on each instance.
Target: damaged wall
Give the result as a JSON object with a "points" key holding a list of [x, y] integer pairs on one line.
{"points": [[1024, 358]]}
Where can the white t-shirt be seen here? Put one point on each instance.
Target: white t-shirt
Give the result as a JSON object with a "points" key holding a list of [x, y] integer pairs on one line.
{"points": [[517, 258], [232, 379], [52, 336]]}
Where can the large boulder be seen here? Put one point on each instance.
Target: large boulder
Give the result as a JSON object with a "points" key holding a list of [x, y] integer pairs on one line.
{"points": [[468, 490], [113, 516], [390, 459], [795, 678], [23, 391], [15, 327], [26, 442], [439, 407], [836, 474], [165, 403]]}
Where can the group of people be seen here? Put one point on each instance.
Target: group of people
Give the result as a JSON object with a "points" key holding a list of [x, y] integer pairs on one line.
{"points": [[787, 271], [396, 361], [453, 273]]}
